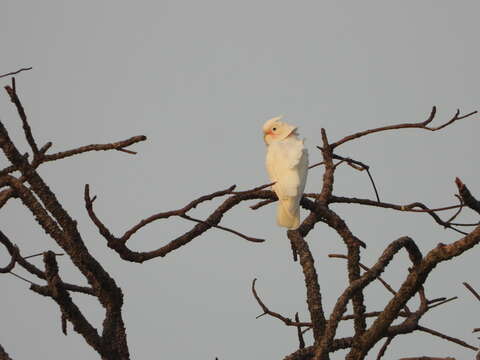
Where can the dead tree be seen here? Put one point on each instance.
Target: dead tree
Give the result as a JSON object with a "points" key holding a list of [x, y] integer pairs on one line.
{"points": [[21, 181]]}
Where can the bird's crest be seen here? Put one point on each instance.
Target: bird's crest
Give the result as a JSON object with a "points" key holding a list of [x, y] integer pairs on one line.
{"points": [[269, 123]]}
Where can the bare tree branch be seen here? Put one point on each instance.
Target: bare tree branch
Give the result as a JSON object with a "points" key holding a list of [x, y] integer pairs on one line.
{"points": [[314, 298], [446, 337], [267, 311], [467, 197], [248, 238], [360, 283], [32, 269], [118, 244], [119, 145], [414, 281], [420, 125], [15, 72], [472, 290], [110, 341], [57, 292], [23, 116], [63, 229], [408, 208], [384, 347], [357, 165], [3, 354], [301, 341]]}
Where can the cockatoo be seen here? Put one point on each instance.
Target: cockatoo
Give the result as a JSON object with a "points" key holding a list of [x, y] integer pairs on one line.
{"points": [[287, 166]]}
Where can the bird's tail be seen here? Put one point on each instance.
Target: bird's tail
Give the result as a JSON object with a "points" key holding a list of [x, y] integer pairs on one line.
{"points": [[288, 213]]}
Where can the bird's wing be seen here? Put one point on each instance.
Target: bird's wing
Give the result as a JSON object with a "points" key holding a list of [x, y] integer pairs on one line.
{"points": [[287, 164]]}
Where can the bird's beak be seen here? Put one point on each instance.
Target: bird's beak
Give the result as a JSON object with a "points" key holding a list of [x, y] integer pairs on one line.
{"points": [[265, 137]]}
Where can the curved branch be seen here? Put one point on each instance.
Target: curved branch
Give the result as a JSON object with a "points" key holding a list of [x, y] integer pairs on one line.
{"points": [[360, 283], [42, 158], [267, 311], [414, 281], [14, 256], [165, 215], [420, 125], [239, 234], [407, 208], [32, 269], [118, 244], [379, 278], [63, 229], [119, 145]]}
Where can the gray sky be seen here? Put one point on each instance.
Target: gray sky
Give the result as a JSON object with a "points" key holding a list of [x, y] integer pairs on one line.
{"points": [[199, 78]]}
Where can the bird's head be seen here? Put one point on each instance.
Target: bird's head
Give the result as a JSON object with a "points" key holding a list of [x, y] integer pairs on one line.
{"points": [[275, 129]]}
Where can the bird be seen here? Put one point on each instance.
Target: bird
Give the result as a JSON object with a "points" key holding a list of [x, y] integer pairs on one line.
{"points": [[287, 166]]}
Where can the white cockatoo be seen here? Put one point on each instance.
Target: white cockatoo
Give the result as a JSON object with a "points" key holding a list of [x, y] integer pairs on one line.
{"points": [[287, 166]]}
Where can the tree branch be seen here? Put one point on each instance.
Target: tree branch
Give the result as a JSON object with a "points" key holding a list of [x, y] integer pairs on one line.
{"points": [[472, 290], [118, 244], [61, 296], [267, 311], [341, 304], [420, 125], [3, 354], [467, 197], [414, 281], [446, 337], [15, 72], [314, 298], [12, 92]]}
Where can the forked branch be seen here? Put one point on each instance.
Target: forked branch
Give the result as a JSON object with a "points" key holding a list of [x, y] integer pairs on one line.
{"points": [[118, 244], [420, 125]]}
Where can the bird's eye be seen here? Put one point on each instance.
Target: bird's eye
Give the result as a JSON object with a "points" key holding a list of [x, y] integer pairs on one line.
{"points": [[274, 129]]}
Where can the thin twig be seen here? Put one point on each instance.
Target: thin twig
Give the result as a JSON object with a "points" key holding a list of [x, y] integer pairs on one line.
{"points": [[472, 290], [357, 165], [40, 254], [316, 164], [243, 236], [22, 278], [384, 347], [267, 311], [406, 208], [15, 72], [454, 216], [163, 215], [23, 116], [446, 337], [301, 341], [442, 302], [257, 188], [119, 145]]}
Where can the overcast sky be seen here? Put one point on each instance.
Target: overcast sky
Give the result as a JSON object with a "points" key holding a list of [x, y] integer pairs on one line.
{"points": [[199, 78]]}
